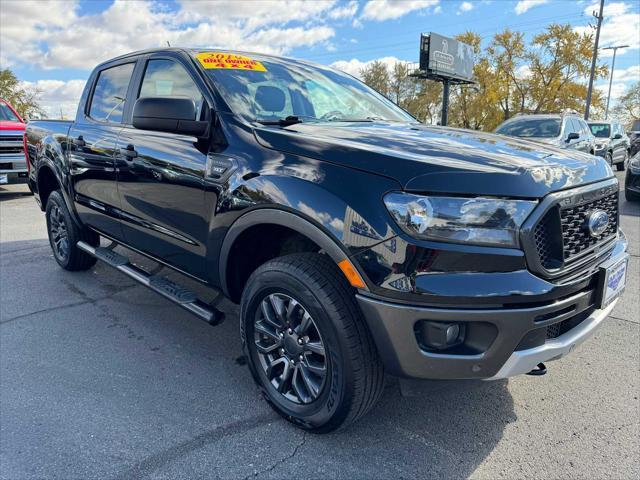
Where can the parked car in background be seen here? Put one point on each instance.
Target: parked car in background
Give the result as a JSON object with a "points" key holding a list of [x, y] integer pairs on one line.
{"points": [[564, 130], [632, 179], [634, 138], [13, 164], [611, 142]]}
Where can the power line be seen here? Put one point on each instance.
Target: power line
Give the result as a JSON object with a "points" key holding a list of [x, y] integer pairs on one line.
{"points": [[412, 42]]}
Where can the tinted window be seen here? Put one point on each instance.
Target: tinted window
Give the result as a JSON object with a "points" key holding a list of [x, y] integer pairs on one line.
{"points": [[532, 127], [283, 87], [7, 114], [110, 93], [600, 130], [574, 126], [166, 78]]}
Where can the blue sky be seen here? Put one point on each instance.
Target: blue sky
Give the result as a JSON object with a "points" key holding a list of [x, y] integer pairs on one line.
{"points": [[54, 45]]}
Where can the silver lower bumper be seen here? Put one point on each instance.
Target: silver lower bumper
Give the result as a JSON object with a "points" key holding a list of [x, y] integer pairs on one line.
{"points": [[524, 361]]}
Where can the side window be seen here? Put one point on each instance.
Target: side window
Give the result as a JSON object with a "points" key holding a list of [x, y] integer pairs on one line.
{"points": [[110, 93], [584, 128], [166, 78], [575, 126]]}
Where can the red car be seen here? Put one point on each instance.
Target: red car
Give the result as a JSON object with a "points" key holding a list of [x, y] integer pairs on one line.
{"points": [[13, 164]]}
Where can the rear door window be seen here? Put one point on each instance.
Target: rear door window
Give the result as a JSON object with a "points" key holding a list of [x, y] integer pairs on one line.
{"points": [[110, 93]]}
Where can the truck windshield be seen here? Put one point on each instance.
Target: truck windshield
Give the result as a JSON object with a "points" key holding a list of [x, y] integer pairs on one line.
{"points": [[7, 114], [601, 130], [538, 127], [280, 89]]}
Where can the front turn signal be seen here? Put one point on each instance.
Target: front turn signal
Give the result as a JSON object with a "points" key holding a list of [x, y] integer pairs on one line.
{"points": [[351, 273]]}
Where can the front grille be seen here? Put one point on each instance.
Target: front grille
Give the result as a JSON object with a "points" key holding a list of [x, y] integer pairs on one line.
{"points": [[560, 328], [10, 150], [561, 237], [6, 166], [576, 237], [10, 138]]}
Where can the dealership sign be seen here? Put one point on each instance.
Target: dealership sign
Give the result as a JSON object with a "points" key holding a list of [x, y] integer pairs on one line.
{"points": [[446, 58]]}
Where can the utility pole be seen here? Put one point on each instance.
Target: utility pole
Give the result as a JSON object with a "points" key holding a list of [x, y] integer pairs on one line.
{"points": [[593, 60], [613, 65], [444, 118]]}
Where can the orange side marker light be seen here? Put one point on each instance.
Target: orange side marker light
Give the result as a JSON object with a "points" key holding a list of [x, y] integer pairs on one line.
{"points": [[351, 273]]}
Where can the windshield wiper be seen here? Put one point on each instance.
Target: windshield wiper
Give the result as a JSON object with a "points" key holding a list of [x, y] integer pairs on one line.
{"points": [[283, 122]]}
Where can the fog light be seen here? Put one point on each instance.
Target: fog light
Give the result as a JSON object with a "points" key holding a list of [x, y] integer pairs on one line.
{"points": [[439, 335]]}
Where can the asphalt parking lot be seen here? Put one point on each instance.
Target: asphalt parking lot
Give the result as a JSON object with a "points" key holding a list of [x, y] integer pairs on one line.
{"points": [[101, 378]]}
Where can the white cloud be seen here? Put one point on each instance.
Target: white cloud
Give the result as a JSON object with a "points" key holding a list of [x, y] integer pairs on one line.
{"points": [[466, 6], [524, 5], [59, 37], [58, 98], [346, 11], [391, 9], [621, 26], [355, 66], [622, 79]]}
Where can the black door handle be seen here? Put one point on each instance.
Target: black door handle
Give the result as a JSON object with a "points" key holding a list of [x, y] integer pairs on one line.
{"points": [[129, 152], [79, 142]]}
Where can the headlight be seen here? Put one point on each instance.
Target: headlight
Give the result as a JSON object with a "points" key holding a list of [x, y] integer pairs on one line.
{"points": [[481, 221], [634, 164]]}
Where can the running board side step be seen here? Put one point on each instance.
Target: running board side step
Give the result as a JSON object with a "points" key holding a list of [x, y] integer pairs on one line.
{"points": [[165, 287]]}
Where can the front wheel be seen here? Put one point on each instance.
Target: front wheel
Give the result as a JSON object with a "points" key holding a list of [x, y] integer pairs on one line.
{"points": [[308, 347]]}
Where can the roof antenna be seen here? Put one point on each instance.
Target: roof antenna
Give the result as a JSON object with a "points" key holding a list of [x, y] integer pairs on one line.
{"points": [[168, 44]]}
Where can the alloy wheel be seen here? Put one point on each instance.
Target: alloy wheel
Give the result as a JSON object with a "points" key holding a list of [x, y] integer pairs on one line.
{"points": [[58, 232], [290, 348]]}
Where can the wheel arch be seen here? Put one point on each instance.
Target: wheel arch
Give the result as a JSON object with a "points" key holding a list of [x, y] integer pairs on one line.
{"points": [[276, 218]]}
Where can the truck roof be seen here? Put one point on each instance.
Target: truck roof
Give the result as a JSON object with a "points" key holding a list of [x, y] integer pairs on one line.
{"points": [[193, 51]]}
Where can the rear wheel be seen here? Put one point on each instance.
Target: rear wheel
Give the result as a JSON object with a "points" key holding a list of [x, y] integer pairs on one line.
{"points": [[308, 347], [64, 234]]}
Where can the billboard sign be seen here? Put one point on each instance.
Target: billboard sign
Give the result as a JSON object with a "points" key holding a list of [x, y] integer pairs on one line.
{"points": [[446, 57]]}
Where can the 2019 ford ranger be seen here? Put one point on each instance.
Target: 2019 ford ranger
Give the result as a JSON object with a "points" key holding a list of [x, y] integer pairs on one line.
{"points": [[355, 239]]}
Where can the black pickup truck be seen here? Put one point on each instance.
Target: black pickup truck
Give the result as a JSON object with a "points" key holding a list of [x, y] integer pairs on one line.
{"points": [[355, 239]]}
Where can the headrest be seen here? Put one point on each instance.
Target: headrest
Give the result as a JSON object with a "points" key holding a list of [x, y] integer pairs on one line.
{"points": [[270, 99]]}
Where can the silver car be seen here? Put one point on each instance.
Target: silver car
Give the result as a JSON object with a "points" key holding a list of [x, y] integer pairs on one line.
{"points": [[563, 130]]}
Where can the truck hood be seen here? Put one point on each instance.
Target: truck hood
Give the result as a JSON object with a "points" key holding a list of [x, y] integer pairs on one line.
{"points": [[7, 125], [441, 160]]}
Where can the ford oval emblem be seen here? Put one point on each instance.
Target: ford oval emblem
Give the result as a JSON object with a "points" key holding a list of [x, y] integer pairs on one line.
{"points": [[597, 222]]}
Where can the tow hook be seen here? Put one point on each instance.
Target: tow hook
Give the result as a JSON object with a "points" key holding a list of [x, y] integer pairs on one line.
{"points": [[540, 370]]}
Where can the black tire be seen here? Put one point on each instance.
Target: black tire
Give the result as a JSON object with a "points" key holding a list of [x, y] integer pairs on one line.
{"points": [[64, 234], [609, 158], [631, 196], [353, 373], [621, 166]]}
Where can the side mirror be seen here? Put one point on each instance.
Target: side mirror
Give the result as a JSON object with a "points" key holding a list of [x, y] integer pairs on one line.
{"points": [[617, 136], [572, 136], [168, 114]]}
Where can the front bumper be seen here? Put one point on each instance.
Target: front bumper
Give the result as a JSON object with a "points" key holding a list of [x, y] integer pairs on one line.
{"points": [[502, 342], [526, 360], [13, 167]]}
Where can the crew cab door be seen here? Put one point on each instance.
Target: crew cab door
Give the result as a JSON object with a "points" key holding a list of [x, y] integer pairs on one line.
{"points": [[161, 175], [92, 142]]}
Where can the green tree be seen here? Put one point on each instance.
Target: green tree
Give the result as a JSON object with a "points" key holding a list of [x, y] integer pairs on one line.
{"points": [[376, 75], [24, 100], [628, 107]]}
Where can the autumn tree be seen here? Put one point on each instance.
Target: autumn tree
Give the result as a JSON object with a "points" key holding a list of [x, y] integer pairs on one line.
{"points": [[559, 59], [24, 100]]}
